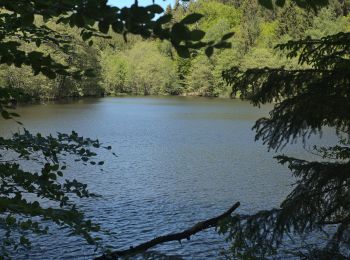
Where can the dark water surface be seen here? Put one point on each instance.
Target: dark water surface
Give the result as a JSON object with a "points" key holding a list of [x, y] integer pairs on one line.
{"points": [[180, 160]]}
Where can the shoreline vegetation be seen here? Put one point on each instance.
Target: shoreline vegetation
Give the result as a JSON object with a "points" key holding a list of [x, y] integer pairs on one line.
{"points": [[63, 100], [152, 67], [38, 100]]}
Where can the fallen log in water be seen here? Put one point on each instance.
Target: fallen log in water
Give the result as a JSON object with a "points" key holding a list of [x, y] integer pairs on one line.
{"points": [[186, 234]]}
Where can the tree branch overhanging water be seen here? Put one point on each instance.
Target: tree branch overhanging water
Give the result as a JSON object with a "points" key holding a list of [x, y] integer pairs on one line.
{"points": [[186, 234]]}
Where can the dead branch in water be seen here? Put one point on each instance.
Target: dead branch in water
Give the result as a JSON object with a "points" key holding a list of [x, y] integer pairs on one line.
{"points": [[186, 234]]}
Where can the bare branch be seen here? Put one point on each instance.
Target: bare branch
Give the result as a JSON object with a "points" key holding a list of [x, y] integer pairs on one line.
{"points": [[186, 234]]}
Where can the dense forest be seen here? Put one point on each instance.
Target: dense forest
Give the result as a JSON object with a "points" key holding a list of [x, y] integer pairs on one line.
{"points": [[152, 67]]}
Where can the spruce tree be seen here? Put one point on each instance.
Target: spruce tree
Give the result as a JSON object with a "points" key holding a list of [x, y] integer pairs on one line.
{"points": [[306, 101]]}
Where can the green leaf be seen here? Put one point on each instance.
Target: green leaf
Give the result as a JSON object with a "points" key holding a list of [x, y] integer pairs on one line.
{"points": [[14, 114], [8, 59], [5, 114], [155, 9], [197, 35], [179, 32], [118, 27], [24, 241], [10, 221], [280, 3], [55, 167], [103, 27], [182, 51], [38, 42], [27, 19], [209, 51], [227, 36], [223, 45], [191, 18], [86, 35], [79, 20], [266, 3], [164, 19], [48, 72], [90, 73]]}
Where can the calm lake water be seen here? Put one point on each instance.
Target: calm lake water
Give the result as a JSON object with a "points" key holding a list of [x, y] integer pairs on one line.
{"points": [[180, 161]]}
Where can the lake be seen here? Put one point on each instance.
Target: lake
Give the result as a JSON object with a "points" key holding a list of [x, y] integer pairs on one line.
{"points": [[180, 160]]}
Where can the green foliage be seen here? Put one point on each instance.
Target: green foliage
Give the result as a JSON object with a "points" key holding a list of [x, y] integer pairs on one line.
{"points": [[149, 72], [306, 100], [268, 34], [200, 80], [305, 4], [327, 22], [251, 30], [215, 12], [50, 47], [93, 17], [142, 69], [114, 72], [25, 195], [76, 55], [32, 198], [294, 21]]}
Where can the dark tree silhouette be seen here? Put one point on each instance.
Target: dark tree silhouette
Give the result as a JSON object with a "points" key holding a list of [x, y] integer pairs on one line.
{"points": [[305, 101]]}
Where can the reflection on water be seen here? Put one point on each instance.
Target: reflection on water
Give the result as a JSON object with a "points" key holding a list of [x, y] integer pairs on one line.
{"points": [[180, 160]]}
